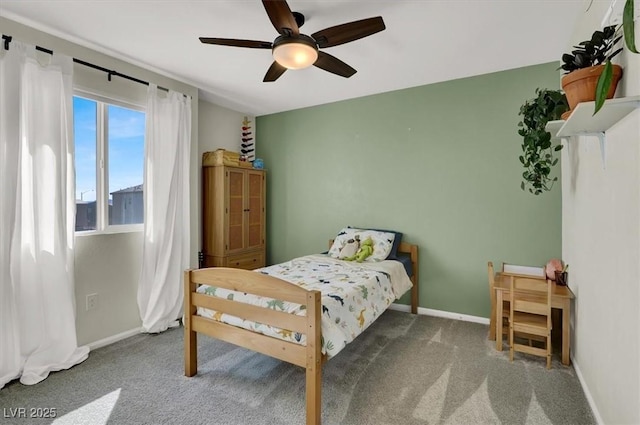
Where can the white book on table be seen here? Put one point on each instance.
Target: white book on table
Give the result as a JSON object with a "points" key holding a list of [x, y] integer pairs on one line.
{"points": [[523, 270]]}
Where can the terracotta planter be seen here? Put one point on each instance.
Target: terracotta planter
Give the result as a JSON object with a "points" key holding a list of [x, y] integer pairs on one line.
{"points": [[580, 85]]}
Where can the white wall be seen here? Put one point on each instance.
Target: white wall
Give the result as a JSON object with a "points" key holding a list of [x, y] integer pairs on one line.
{"points": [[109, 264], [218, 128], [601, 242]]}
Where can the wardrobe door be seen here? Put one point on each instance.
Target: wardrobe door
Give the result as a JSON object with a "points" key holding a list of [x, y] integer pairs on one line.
{"points": [[255, 206], [235, 208]]}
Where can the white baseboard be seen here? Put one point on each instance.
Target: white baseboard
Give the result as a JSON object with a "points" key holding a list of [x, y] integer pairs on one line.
{"points": [[440, 313], [115, 338], [587, 393]]}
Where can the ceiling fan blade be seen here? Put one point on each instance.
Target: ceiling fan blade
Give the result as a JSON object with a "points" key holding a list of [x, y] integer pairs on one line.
{"points": [[334, 65], [340, 34], [281, 17], [253, 44], [274, 72]]}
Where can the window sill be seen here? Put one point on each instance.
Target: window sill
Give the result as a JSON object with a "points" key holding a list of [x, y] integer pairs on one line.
{"points": [[112, 230]]}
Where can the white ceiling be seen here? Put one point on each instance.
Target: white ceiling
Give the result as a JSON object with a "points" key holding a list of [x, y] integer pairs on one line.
{"points": [[426, 41]]}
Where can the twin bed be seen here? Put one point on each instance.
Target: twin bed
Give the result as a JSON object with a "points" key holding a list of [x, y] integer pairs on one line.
{"points": [[303, 311]]}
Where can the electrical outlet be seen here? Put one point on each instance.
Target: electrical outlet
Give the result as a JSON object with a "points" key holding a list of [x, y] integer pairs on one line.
{"points": [[92, 301]]}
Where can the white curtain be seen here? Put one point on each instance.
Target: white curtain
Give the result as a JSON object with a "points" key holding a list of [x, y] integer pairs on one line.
{"points": [[37, 214], [166, 209]]}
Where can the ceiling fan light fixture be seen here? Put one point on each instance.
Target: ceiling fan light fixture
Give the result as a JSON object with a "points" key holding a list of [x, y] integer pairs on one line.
{"points": [[295, 52]]}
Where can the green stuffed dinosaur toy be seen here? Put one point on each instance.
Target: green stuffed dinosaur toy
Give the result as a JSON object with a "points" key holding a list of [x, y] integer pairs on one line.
{"points": [[365, 250]]}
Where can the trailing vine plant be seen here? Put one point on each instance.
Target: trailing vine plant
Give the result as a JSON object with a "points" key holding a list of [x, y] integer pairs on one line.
{"points": [[538, 149]]}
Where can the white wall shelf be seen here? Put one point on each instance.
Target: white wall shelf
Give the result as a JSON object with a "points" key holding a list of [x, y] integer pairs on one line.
{"points": [[553, 127], [582, 122]]}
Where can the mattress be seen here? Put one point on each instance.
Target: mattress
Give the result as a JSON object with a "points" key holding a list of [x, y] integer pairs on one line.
{"points": [[354, 295]]}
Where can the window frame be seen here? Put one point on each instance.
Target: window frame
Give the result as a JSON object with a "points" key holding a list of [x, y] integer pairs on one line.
{"points": [[102, 162]]}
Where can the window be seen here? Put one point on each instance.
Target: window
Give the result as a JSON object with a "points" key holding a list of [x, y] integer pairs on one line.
{"points": [[109, 162]]}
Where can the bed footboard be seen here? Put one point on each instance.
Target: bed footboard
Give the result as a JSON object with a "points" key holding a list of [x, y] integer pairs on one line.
{"points": [[308, 356]]}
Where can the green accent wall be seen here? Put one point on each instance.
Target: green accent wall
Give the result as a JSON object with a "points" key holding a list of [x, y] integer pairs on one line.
{"points": [[437, 162]]}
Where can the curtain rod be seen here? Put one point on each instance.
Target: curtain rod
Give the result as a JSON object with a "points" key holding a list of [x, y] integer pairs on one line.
{"points": [[110, 73]]}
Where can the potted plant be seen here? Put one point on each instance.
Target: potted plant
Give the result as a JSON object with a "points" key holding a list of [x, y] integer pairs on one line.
{"points": [[590, 75], [537, 147], [586, 64]]}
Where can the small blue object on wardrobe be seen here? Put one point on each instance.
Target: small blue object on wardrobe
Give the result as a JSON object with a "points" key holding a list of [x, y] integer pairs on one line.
{"points": [[257, 163]]}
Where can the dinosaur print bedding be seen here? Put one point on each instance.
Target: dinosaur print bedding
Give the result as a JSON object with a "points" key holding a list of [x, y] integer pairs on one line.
{"points": [[353, 296]]}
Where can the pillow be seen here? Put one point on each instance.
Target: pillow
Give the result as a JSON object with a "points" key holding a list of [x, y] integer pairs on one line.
{"points": [[382, 242], [396, 242]]}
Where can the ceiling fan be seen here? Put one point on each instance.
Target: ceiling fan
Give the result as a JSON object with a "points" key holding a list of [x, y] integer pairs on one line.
{"points": [[294, 50]]}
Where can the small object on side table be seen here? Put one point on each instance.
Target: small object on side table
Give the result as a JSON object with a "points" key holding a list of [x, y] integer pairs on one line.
{"points": [[562, 278], [258, 164], [553, 265]]}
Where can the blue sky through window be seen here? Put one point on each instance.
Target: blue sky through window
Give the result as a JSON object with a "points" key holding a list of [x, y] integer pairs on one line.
{"points": [[126, 148], [126, 128], [84, 128]]}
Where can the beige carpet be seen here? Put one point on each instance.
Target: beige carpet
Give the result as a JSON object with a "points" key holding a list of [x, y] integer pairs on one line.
{"points": [[404, 369]]}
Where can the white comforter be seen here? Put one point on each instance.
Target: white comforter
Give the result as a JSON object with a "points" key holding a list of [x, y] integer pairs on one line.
{"points": [[353, 296]]}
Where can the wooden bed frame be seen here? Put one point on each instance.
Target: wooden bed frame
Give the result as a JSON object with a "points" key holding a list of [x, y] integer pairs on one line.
{"points": [[308, 357]]}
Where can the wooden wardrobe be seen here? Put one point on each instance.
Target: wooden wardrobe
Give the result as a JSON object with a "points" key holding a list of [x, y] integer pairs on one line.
{"points": [[233, 218]]}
